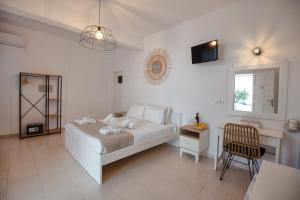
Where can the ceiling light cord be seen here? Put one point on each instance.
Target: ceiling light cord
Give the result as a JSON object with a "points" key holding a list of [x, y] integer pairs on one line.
{"points": [[99, 12]]}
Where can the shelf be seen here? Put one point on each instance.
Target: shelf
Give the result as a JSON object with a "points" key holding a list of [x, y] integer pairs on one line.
{"points": [[54, 99], [51, 131], [54, 130], [53, 116], [51, 97], [25, 135]]}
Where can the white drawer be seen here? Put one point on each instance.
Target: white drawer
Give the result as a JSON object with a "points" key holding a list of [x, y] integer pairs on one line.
{"points": [[189, 143], [268, 141]]}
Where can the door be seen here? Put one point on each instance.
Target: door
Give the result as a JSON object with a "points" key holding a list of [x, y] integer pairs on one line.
{"points": [[118, 91], [263, 92]]}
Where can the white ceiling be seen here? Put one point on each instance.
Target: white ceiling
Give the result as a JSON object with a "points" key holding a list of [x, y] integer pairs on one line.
{"points": [[150, 16], [131, 20]]}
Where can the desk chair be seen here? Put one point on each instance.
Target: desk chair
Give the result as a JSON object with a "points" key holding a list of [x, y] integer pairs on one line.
{"points": [[243, 141]]}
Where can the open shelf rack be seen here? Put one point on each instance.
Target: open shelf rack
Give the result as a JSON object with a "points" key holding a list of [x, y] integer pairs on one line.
{"points": [[48, 102]]}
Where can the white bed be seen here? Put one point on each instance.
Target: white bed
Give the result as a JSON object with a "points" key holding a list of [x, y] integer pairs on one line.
{"points": [[88, 151]]}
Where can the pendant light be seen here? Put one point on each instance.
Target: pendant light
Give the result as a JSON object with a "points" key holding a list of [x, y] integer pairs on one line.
{"points": [[97, 37]]}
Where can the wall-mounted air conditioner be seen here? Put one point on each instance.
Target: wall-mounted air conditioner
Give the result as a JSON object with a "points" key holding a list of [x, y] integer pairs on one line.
{"points": [[12, 40]]}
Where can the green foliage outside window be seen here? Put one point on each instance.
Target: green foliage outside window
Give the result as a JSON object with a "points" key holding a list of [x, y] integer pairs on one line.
{"points": [[241, 96]]}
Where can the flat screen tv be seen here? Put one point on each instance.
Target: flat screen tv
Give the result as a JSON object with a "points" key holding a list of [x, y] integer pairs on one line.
{"points": [[205, 52]]}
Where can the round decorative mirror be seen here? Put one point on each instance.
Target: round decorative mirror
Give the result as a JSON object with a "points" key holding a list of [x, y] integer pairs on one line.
{"points": [[157, 66]]}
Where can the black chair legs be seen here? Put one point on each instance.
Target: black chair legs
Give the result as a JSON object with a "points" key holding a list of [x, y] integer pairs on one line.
{"points": [[226, 165], [252, 166]]}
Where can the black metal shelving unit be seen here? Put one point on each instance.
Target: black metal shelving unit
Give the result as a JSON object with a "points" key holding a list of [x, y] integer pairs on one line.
{"points": [[51, 120]]}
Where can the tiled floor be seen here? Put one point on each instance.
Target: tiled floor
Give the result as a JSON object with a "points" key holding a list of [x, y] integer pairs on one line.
{"points": [[40, 168]]}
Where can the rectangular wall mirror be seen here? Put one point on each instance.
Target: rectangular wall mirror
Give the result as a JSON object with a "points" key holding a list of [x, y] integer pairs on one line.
{"points": [[258, 91]]}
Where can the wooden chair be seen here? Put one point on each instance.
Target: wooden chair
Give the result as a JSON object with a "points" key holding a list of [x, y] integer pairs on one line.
{"points": [[243, 141]]}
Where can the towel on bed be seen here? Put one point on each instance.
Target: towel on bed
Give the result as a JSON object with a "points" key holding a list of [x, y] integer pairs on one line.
{"points": [[111, 142], [85, 120], [107, 130]]}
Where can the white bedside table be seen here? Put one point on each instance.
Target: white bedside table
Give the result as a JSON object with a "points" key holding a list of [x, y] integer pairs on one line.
{"points": [[193, 141]]}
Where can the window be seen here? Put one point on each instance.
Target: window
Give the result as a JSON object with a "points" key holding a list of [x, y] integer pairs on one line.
{"points": [[243, 92]]}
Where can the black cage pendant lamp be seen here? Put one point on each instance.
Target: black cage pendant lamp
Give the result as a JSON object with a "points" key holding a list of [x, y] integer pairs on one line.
{"points": [[97, 37]]}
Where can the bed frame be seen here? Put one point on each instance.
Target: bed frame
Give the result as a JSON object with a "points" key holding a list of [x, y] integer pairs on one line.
{"points": [[92, 161]]}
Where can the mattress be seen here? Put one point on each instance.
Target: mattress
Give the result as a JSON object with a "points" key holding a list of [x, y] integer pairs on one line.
{"points": [[144, 132]]}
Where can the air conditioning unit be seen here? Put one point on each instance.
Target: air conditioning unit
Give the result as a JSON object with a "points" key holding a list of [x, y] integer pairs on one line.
{"points": [[12, 40]]}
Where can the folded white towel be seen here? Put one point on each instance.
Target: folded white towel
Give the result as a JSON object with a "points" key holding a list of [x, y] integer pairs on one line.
{"points": [[85, 120], [117, 130], [131, 125], [107, 118], [106, 130]]}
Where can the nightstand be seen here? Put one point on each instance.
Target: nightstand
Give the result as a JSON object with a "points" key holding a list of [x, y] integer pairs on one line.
{"points": [[193, 141]]}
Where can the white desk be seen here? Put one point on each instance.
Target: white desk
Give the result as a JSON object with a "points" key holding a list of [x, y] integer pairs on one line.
{"points": [[267, 137], [276, 182]]}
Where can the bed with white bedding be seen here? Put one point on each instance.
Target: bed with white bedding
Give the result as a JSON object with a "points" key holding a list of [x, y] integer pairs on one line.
{"points": [[151, 129]]}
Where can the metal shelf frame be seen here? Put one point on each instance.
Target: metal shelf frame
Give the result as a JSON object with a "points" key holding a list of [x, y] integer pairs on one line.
{"points": [[47, 116]]}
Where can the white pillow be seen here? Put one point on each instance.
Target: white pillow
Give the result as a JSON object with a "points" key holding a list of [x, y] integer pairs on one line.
{"points": [[136, 111], [107, 118], [125, 123], [155, 114], [168, 114]]}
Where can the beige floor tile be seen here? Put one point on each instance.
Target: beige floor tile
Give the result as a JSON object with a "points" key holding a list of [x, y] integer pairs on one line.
{"points": [[21, 170], [17, 156], [49, 166], [59, 186], [25, 189], [41, 168]]}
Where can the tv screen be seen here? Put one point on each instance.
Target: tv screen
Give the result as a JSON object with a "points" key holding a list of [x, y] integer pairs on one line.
{"points": [[205, 52]]}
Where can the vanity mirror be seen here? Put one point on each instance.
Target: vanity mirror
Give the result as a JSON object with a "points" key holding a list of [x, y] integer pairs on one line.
{"points": [[258, 91]]}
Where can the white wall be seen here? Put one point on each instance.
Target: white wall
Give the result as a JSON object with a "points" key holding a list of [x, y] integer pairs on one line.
{"points": [[73, 15], [84, 75], [272, 25]]}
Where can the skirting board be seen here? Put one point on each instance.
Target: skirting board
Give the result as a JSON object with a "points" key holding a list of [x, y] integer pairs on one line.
{"points": [[9, 135]]}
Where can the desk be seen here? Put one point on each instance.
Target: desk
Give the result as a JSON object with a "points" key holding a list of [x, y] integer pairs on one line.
{"points": [[275, 182], [266, 136]]}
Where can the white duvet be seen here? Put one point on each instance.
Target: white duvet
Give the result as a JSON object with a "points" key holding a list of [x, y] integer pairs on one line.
{"points": [[144, 132]]}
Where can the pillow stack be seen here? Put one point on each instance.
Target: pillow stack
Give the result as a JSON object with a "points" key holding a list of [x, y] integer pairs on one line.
{"points": [[151, 113]]}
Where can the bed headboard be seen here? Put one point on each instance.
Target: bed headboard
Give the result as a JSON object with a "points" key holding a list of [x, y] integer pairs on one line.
{"points": [[176, 119]]}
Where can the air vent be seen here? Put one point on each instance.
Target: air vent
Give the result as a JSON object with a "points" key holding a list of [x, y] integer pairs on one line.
{"points": [[12, 40]]}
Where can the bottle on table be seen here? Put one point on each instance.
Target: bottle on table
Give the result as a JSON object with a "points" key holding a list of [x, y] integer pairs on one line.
{"points": [[197, 118]]}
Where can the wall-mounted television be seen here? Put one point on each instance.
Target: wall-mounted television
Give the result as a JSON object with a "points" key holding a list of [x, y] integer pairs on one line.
{"points": [[205, 52]]}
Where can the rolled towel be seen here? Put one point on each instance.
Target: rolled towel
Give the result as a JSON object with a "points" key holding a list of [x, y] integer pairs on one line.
{"points": [[117, 130], [106, 130], [131, 125], [107, 118]]}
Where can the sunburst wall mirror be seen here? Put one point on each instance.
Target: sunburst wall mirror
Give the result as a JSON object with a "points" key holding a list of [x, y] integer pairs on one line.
{"points": [[157, 66]]}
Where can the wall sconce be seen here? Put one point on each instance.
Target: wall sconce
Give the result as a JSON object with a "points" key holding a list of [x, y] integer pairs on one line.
{"points": [[256, 51]]}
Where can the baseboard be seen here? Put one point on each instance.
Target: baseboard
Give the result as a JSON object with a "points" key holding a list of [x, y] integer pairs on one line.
{"points": [[9, 135], [17, 134]]}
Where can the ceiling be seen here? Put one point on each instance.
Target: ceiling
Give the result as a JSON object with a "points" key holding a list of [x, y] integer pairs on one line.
{"points": [[150, 16], [131, 20]]}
